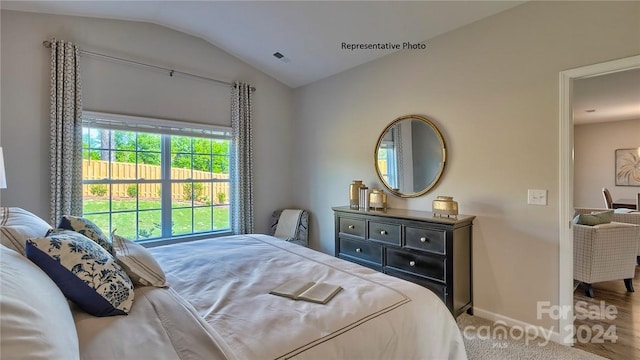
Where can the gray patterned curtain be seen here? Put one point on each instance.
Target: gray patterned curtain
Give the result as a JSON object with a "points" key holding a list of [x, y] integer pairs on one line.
{"points": [[66, 131], [241, 160]]}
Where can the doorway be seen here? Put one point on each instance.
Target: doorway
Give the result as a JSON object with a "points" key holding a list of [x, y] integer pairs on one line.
{"points": [[566, 171]]}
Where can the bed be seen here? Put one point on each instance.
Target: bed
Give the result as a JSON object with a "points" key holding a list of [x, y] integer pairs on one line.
{"points": [[217, 306]]}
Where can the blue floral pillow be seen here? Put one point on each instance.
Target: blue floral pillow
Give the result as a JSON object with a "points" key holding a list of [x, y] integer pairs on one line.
{"points": [[85, 272], [87, 228]]}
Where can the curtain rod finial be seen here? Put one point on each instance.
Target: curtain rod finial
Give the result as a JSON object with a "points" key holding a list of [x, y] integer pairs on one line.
{"points": [[46, 43]]}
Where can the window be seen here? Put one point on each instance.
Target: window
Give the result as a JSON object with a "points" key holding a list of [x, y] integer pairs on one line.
{"points": [[388, 158], [155, 179]]}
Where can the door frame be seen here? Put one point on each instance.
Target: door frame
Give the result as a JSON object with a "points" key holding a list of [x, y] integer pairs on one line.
{"points": [[566, 170]]}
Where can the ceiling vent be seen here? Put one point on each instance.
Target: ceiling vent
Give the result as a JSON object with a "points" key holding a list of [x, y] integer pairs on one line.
{"points": [[281, 57]]}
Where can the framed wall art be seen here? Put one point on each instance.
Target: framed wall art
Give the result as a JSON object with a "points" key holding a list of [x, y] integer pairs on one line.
{"points": [[628, 167]]}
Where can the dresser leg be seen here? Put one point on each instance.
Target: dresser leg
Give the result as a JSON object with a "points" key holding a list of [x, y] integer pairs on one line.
{"points": [[470, 311], [629, 284]]}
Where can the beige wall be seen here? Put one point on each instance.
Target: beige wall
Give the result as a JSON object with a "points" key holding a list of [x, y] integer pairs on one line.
{"points": [[594, 148], [492, 87], [122, 88]]}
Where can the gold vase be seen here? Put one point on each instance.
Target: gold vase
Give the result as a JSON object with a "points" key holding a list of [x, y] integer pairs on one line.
{"points": [[354, 194], [378, 199], [444, 205]]}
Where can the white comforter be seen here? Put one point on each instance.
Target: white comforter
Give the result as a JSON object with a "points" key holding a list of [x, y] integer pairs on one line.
{"points": [[160, 326], [376, 316]]}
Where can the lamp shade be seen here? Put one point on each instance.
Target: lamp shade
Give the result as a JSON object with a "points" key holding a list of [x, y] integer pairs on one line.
{"points": [[3, 179]]}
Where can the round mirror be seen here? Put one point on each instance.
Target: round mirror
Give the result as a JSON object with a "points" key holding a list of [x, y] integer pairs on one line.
{"points": [[410, 156]]}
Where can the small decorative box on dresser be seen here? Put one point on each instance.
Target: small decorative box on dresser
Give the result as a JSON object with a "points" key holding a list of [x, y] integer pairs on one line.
{"points": [[417, 246]]}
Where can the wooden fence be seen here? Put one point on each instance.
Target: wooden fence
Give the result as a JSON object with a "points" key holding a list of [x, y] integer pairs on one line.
{"points": [[217, 192]]}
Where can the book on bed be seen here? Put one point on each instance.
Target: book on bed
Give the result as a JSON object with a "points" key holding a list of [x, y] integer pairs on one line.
{"points": [[299, 289]]}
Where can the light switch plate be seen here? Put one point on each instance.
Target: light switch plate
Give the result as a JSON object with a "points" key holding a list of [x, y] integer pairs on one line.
{"points": [[537, 197]]}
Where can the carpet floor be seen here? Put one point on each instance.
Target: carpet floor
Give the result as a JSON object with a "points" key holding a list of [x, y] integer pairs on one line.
{"points": [[482, 342]]}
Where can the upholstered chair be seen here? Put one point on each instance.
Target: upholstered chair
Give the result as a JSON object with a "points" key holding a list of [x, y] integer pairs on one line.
{"points": [[605, 252], [622, 217], [608, 201], [291, 225]]}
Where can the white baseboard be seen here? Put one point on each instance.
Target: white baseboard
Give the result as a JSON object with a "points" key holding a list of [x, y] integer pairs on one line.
{"points": [[529, 328]]}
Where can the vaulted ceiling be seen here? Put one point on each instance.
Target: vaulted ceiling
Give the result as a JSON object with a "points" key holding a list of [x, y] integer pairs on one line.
{"points": [[309, 36]]}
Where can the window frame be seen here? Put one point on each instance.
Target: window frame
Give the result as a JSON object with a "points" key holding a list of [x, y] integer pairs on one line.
{"points": [[166, 129]]}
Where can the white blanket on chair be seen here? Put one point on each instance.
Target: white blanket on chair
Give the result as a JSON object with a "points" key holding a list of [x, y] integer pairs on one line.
{"points": [[287, 227]]}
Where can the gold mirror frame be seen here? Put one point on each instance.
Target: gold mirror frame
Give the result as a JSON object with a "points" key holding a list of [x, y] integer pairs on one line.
{"points": [[440, 168]]}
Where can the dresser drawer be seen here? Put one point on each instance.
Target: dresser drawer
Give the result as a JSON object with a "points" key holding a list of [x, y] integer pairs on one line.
{"points": [[437, 288], [361, 250], [387, 233], [425, 265], [352, 227], [370, 265], [424, 239]]}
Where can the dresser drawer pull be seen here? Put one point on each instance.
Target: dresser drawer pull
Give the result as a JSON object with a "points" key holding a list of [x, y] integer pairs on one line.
{"points": [[383, 232], [352, 227], [423, 239], [412, 263], [358, 250]]}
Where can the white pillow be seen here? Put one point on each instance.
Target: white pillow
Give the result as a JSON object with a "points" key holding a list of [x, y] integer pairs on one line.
{"points": [[17, 225], [138, 263], [35, 321]]}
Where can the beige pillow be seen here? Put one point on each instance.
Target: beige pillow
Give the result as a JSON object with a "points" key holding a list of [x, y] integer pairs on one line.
{"points": [[35, 321], [138, 263], [17, 225]]}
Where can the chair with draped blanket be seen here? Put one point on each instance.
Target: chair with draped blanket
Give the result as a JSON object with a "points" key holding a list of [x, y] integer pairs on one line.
{"points": [[291, 225]]}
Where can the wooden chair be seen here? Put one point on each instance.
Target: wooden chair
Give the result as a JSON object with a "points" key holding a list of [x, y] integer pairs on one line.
{"points": [[607, 198]]}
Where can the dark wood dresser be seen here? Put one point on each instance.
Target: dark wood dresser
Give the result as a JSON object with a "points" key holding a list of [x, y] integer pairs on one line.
{"points": [[417, 246]]}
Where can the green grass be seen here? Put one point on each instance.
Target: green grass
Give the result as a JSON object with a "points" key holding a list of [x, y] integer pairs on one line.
{"points": [[149, 218]]}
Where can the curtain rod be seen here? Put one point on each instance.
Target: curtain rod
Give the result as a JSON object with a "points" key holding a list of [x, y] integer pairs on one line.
{"points": [[171, 72]]}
